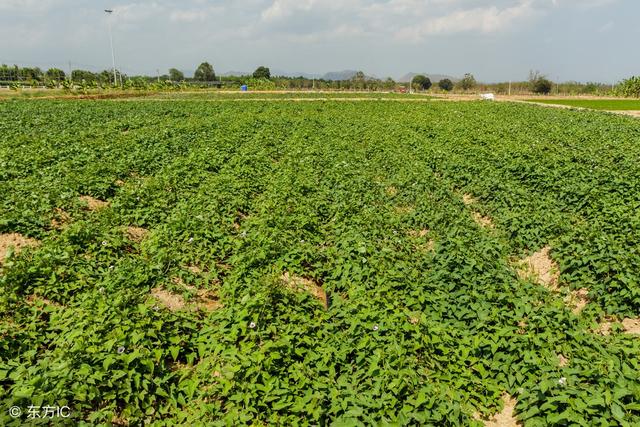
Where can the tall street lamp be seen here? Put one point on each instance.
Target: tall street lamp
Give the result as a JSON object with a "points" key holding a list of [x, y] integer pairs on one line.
{"points": [[113, 56]]}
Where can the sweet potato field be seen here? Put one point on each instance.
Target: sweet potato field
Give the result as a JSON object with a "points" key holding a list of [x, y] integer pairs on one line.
{"points": [[323, 263]]}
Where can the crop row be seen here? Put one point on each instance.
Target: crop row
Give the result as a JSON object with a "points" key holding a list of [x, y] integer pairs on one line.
{"points": [[265, 208]]}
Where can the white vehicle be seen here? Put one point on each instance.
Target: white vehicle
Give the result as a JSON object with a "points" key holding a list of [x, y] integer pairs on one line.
{"points": [[487, 96]]}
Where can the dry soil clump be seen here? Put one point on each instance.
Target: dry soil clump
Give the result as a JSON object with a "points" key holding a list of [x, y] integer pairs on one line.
{"points": [[173, 302], [36, 299], [578, 300], [506, 418], [60, 219], [15, 241], [204, 300], [194, 269], [468, 199], [298, 284], [405, 209], [629, 326], [562, 361], [94, 204], [481, 220], [425, 246], [137, 234], [419, 233], [541, 267]]}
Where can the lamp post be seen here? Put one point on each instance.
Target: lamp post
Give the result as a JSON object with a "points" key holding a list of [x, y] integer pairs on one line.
{"points": [[113, 56]]}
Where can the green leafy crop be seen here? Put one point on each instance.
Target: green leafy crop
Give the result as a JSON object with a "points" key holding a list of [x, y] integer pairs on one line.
{"points": [[427, 321]]}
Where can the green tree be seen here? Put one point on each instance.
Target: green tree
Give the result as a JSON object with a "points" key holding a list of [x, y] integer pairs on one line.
{"points": [[79, 75], [422, 82], [629, 87], [358, 81], [468, 82], [34, 74], [389, 84], [176, 75], [204, 73], [539, 83], [8, 73], [359, 76], [445, 84], [262, 72], [55, 74]]}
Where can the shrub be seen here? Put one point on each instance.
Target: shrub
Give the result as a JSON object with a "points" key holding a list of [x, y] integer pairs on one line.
{"points": [[542, 86], [629, 87], [423, 82], [445, 84], [468, 82]]}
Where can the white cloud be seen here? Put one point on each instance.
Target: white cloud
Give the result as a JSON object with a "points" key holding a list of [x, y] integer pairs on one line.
{"points": [[582, 3], [283, 9], [481, 20], [301, 34]]}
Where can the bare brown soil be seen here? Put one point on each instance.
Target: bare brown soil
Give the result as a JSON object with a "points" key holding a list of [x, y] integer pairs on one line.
{"points": [[204, 300], [170, 300], [482, 221], [137, 234], [94, 204], [629, 326], [542, 268], [119, 421], [562, 361], [414, 320], [632, 113], [425, 245], [194, 269], [522, 327], [419, 233], [468, 199], [15, 241], [36, 299], [405, 209], [301, 284], [60, 219], [506, 418], [578, 300]]}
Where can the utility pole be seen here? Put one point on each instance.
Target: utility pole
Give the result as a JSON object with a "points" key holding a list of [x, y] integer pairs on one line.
{"points": [[509, 87], [158, 72], [113, 56]]}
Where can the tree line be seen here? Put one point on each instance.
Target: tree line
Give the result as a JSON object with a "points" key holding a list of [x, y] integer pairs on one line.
{"points": [[262, 78]]}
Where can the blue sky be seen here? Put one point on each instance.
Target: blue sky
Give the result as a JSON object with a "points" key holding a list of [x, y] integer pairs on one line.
{"points": [[584, 40]]}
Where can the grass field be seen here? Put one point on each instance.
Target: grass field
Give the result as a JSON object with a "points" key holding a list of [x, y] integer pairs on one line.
{"points": [[595, 104], [217, 263]]}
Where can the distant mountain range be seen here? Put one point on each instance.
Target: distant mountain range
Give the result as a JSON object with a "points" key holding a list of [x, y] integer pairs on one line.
{"points": [[332, 75], [339, 75], [335, 75], [275, 73]]}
